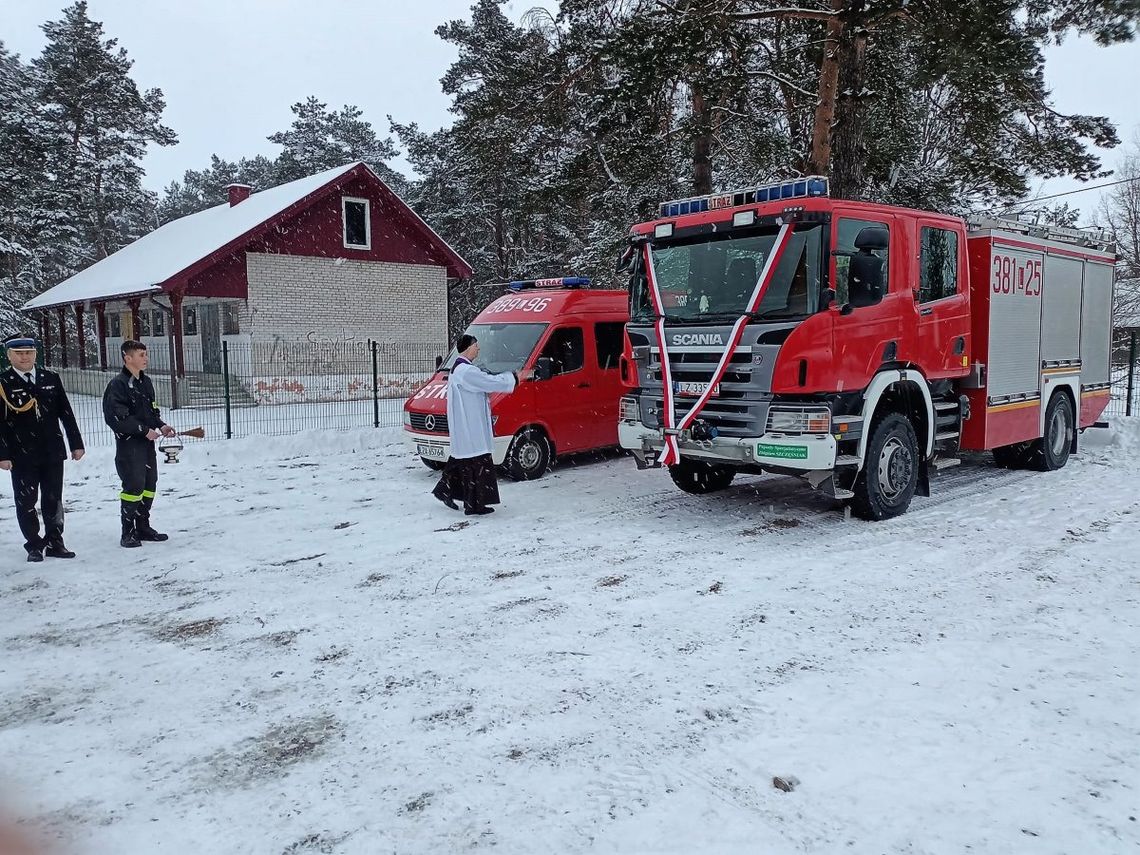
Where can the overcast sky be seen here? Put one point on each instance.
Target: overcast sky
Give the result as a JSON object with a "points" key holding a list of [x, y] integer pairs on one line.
{"points": [[230, 69]]}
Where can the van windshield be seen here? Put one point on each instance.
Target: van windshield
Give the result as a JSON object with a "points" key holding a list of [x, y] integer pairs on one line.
{"points": [[502, 347]]}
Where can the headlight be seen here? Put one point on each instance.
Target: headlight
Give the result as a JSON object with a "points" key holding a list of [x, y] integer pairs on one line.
{"points": [[628, 410], [407, 418], [799, 420]]}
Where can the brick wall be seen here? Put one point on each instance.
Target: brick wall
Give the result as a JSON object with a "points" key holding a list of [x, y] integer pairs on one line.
{"points": [[303, 298]]}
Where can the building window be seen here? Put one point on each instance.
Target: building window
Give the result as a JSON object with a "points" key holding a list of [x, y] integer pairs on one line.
{"points": [[158, 322], [230, 319], [610, 341], [114, 325], [939, 265], [189, 321], [357, 227], [144, 324]]}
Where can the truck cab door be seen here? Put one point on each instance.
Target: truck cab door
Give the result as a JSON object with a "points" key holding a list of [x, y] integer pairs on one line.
{"points": [[609, 341], [941, 295], [868, 329]]}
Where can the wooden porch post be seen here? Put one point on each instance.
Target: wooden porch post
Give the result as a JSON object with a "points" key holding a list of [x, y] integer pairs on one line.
{"points": [[101, 331], [61, 311], [179, 356], [79, 311], [45, 331], [136, 318]]}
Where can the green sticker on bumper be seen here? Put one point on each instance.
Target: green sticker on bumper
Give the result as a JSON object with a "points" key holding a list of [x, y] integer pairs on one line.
{"points": [[782, 452]]}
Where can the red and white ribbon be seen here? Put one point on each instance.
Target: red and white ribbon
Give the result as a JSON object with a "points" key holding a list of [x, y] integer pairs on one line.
{"points": [[671, 453]]}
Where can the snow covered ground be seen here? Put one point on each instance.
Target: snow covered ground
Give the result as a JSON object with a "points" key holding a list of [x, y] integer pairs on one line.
{"points": [[269, 420], [325, 659]]}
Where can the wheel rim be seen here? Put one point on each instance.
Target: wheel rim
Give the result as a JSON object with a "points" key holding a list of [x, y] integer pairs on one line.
{"points": [[896, 465], [529, 455], [1059, 430]]}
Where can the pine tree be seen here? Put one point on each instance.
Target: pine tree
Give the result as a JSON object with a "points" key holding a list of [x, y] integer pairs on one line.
{"points": [[35, 218], [100, 127], [321, 139], [202, 189]]}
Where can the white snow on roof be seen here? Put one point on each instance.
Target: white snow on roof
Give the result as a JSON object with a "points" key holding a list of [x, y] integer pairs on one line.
{"points": [[167, 251]]}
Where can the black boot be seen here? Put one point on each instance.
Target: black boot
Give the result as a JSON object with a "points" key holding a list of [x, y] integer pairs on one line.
{"points": [[142, 527], [129, 513], [35, 555], [58, 550]]}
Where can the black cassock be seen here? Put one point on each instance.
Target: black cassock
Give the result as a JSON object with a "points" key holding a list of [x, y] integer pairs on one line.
{"points": [[470, 480]]}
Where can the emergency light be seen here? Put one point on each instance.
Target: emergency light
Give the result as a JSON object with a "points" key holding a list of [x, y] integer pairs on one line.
{"points": [[812, 185], [563, 282]]}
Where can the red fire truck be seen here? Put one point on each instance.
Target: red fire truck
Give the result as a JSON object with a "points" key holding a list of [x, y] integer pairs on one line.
{"points": [[859, 346], [573, 336]]}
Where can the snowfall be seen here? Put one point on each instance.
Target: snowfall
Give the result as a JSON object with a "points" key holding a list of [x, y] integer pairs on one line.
{"points": [[323, 658]]}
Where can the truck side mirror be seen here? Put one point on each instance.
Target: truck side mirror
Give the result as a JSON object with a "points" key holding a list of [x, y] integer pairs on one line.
{"points": [[543, 368]]}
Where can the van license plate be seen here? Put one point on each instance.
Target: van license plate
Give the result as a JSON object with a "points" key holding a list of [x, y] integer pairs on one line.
{"points": [[695, 390], [432, 452]]}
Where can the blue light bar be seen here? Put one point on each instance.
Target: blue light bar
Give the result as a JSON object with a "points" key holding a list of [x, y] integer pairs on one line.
{"points": [[562, 282], [799, 188]]}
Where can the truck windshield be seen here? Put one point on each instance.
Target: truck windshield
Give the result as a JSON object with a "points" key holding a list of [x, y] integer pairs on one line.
{"points": [[709, 278], [502, 347]]}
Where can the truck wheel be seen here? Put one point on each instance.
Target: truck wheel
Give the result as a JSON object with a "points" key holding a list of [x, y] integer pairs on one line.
{"points": [[889, 476], [697, 476], [1052, 450], [529, 455], [434, 465]]}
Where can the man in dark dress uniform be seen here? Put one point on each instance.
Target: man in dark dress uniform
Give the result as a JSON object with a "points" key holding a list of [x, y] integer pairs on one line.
{"points": [[130, 411], [33, 404]]}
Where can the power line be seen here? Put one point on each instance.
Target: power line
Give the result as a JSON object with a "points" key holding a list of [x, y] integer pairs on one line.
{"points": [[1071, 192]]}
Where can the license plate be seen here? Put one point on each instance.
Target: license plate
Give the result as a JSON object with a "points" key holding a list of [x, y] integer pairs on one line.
{"points": [[435, 452], [695, 390], [782, 452]]}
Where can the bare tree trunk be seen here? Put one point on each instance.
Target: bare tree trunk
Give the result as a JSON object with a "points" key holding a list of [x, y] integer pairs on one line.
{"points": [[848, 154], [702, 145], [819, 161]]}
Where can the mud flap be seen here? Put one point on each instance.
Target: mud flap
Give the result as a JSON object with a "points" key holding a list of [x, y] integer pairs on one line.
{"points": [[923, 486]]}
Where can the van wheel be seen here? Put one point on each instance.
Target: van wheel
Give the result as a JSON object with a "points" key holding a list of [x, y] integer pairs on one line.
{"points": [[1052, 450], [434, 465], [699, 477], [889, 476], [529, 455]]}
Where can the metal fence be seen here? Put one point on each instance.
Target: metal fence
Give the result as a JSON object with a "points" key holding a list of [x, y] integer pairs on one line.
{"points": [[274, 388], [1125, 400], [263, 389]]}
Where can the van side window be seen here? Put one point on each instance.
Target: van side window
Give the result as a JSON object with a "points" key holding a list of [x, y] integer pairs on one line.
{"points": [[939, 265], [609, 339], [565, 349]]}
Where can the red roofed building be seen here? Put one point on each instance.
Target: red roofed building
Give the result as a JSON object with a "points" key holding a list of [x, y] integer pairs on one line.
{"points": [[333, 258]]}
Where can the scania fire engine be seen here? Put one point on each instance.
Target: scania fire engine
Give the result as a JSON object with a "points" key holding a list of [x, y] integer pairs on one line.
{"points": [[859, 346]]}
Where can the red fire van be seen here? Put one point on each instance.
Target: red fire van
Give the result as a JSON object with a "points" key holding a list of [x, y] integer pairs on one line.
{"points": [[573, 337]]}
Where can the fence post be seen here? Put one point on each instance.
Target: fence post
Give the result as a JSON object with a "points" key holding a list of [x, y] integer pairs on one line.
{"points": [[226, 386], [375, 388], [1131, 371]]}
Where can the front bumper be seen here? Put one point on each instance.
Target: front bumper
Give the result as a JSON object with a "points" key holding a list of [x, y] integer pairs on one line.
{"points": [[437, 447], [804, 453]]}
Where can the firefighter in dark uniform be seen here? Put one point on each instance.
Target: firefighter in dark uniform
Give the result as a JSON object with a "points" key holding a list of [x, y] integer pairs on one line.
{"points": [[131, 412], [31, 447]]}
